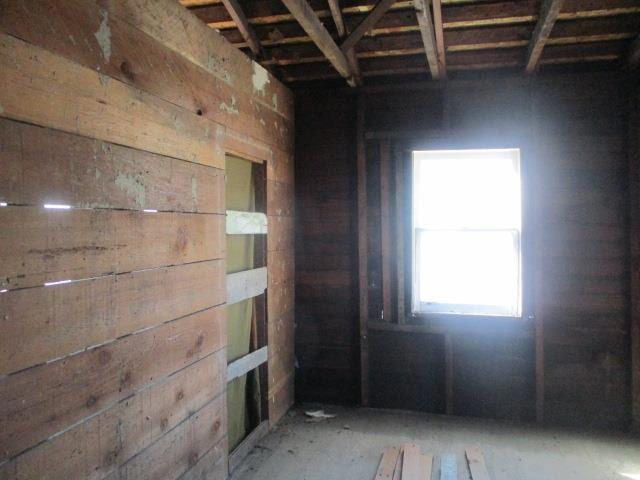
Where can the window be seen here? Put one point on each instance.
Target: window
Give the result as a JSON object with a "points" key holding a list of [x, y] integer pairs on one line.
{"points": [[467, 232]]}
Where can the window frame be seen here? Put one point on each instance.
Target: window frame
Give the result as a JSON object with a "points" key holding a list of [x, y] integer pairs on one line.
{"points": [[474, 140]]}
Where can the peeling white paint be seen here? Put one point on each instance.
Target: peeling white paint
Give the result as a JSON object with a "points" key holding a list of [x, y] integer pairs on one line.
{"points": [[103, 35], [260, 78], [231, 109], [132, 184]]}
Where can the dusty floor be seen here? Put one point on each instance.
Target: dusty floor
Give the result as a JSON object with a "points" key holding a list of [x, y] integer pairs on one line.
{"points": [[349, 446]]}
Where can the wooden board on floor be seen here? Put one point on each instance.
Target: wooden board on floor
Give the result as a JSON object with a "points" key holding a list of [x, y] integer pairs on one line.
{"points": [[475, 459], [411, 463], [426, 464], [397, 472], [388, 463]]}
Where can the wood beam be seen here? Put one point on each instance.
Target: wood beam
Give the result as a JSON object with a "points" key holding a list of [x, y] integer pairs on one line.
{"points": [[367, 24], [336, 13], [308, 20], [352, 59], [363, 251], [238, 16], [439, 33], [634, 53], [547, 19], [427, 31], [634, 255]]}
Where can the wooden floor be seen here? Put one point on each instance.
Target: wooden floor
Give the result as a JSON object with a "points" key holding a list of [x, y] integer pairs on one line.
{"points": [[349, 447]]}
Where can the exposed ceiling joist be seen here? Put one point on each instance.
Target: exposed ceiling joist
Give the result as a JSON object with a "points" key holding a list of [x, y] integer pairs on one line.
{"points": [[308, 20], [439, 34], [238, 16], [367, 24], [548, 15], [427, 32]]}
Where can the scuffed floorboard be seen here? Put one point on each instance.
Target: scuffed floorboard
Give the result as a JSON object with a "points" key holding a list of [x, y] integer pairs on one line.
{"points": [[348, 447]]}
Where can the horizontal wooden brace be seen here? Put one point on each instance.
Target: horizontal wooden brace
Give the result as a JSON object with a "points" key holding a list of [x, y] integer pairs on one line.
{"points": [[246, 223], [247, 363], [246, 284]]}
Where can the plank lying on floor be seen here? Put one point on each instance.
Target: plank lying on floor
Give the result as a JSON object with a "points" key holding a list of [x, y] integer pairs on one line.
{"points": [[448, 467], [388, 463], [411, 463], [398, 470], [426, 463], [475, 459]]}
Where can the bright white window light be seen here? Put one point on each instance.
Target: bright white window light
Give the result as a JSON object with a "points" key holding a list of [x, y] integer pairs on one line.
{"points": [[150, 210], [467, 229], [4, 290], [57, 206], [3, 204]]}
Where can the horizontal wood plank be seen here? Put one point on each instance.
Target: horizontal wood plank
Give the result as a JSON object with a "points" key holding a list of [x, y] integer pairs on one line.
{"points": [[243, 223], [180, 30], [181, 448], [245, 364], [47, 399], [48, 90], [39, 245], [114, 436], [43, 323], [44, 166], [150, 65], [246, 284]]}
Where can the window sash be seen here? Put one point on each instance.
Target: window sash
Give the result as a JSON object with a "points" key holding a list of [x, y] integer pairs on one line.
{"points": [[420, 306]]}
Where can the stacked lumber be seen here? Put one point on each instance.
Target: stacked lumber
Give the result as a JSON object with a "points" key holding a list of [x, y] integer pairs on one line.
{"points": [[408, 463]]}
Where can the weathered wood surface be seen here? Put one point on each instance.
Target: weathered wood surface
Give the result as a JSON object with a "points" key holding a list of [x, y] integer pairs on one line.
{"points": [[43, 88], [388, 462], [475, 459], [43, 323], [39, 245], [178, 29], [41, 401], [51, 26], [123, 429], [182, 448], [246, 284], [44, 166], [247, 363]]}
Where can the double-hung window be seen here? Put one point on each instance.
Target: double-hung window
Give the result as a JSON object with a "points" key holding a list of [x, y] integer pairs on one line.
{"points": [[467, 232]]}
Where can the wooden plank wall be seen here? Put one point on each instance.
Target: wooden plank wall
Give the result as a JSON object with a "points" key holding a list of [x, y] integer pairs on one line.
{"points": [[113, 328], [326, 250], [577, 124]]}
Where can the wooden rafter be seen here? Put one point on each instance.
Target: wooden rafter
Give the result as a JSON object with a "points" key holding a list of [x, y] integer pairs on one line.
{"points": [[367, 24], [308, 20], [338, 19], [439, 34], [238, 16], [548, 16], [428, 36]]}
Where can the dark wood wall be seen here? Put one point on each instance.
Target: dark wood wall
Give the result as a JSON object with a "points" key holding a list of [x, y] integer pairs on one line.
{"points": [[326, 251], [575, 129], [112, 311]]}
